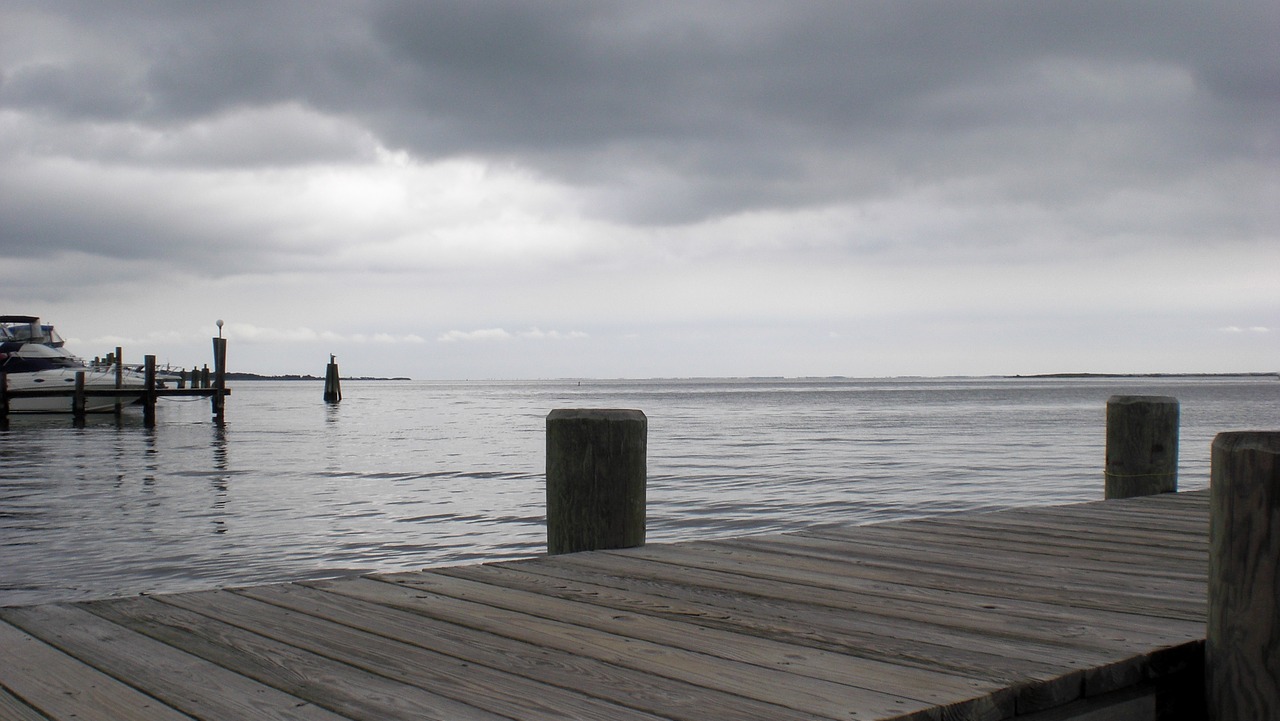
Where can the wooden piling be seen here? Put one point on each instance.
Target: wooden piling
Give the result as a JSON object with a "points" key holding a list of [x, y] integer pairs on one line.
{"points": [[219, 375], [149, 398], [119, 407], [4, 399], [596, 472], [77, 400], [1242, 649], [1142, 446], [332, 384]]}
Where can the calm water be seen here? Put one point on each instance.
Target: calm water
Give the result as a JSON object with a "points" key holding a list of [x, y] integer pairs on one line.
{"points": [[404, 475]]}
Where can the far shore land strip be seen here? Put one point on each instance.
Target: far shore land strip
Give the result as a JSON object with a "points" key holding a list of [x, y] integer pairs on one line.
{"points": [[1272, 374]]}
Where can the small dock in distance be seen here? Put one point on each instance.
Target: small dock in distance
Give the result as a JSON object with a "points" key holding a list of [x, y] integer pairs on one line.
{"points": [[202, 386], [1087, 611]]}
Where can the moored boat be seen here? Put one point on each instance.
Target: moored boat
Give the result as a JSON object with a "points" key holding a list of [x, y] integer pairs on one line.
{"points": [[33, 358]]}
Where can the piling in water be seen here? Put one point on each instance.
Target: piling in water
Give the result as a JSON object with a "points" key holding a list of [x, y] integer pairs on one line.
{"points": [[119, 359], [219, 375], [149, 399], [332, 386], [77, 400]]}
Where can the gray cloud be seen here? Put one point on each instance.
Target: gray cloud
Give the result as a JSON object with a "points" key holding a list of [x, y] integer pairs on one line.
{"points": [[702, 89]]}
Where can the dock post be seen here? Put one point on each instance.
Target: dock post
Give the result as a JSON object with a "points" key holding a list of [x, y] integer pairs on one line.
{"points": [[1242, 647], [4, 400], [332, 385], [119, 407], [219, 374], [596, 473], [77, 400], [149, 399], [1142, 446]]}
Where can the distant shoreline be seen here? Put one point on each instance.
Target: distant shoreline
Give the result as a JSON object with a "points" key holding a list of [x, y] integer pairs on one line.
{"points": [[294, 377], [1148, 375], [1272, 374]]}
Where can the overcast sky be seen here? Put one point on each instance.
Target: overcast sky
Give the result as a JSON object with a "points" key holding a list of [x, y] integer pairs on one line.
{"points": [[481, 189]]}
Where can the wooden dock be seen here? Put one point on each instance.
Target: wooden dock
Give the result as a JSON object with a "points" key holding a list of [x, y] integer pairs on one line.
{"points": [[1090, 611]]}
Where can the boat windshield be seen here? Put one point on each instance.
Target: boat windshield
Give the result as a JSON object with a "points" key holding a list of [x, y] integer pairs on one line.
{"points": [[52, 337], [33, 332], [27, 333]]}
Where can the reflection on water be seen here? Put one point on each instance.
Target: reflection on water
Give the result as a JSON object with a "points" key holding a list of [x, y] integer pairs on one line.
{"points": [[406, 475]]}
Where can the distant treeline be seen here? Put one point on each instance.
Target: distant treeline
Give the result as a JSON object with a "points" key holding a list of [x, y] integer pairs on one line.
{"points": [[1149, 375], [294, 377]]}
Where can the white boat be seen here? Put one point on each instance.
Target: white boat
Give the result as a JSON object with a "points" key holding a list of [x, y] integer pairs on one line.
{"points": [[32, 358]]}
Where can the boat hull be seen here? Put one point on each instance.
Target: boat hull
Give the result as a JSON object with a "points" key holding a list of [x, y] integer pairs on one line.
{"points": [[63, 404], [53, 385]]}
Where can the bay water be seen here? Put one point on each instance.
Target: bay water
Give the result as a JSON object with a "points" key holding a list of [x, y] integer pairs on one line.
{"points": [[408, 474]]}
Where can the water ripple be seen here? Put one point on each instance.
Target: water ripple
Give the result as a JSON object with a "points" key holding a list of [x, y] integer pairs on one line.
{"points": [[401, 476]]}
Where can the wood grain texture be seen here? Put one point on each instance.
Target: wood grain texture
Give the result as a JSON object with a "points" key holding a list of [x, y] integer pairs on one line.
{"points": [[62, 687], [13, 708], [329, 684], [1243, 645], [185, 682]]}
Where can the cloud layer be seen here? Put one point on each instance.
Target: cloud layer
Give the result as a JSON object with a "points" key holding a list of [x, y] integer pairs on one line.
{"points": [[736, 184]]}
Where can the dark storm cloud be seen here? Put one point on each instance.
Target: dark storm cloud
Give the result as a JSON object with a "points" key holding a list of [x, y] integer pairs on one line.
{"points": [[463, 77], [669, 112]]}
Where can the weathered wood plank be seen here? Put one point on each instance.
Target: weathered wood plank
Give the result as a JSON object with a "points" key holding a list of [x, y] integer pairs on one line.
{"points": [[1154, 518], [785, 618], [626, 572], [13, 709], [882, 638], [63, 687], [839, 577], [1054, 580], [1042, 624], [722, 662], [1053, 539], [649, 690], [326, 683], [998, 558], [495, 691], [1168, 533], [1037, 551], [184, 682], [1168, 524]]}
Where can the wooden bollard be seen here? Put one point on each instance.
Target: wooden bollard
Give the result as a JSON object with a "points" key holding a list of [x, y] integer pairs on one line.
{"points": [[1142, 446], [1242, 650], [596, 472]]}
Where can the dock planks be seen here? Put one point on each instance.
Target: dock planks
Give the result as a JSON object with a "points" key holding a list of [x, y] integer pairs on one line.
{"points": [[1092, 610]]}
